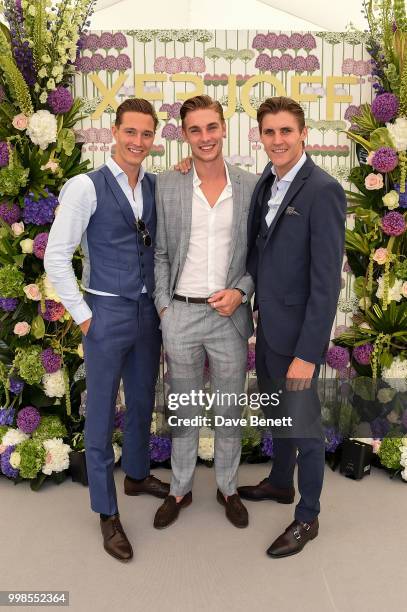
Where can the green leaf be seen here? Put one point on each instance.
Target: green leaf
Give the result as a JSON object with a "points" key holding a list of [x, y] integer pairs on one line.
{"points": [[356, 242], [386, 359], [366, 215], [359, 287], [381, 138], [362, 141], [365, 387], [37, 483], [38, 327], [19, 259], [66, 141]]}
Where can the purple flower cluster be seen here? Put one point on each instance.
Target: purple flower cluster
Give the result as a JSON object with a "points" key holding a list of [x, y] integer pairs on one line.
{"points": [[332, 439], [6, 416], [105, 41], [110, 63], [22, 51], [402, 196], [160, 448], [50, 360], [172, 110], [60, 100], [40, 212], [5, 463], [385, 159], [103, 135], [10, 212], [337, 357], [16, 385], [4, 154], [362, 353], [172, 132], [283, 42], [119, 420], [393, 224], [351, 112], [286, 62], [28, 419], [385, 107], [40, 244], [53, 310], [357, 67], [251, 359], [267, 445], [174, 65], [8, 304]]}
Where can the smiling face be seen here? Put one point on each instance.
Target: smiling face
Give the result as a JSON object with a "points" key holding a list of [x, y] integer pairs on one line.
{"points": [[204, 131], [283, 140], [134, 138]]}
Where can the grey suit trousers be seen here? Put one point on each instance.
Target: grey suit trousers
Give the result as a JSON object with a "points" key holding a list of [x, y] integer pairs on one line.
{"points": [[190, 333]]}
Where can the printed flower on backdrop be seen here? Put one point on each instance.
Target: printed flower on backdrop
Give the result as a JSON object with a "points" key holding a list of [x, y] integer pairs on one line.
{"points": [[119, 41]]}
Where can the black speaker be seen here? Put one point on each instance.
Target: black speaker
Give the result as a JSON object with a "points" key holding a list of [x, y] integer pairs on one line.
{"points": [[356, 457]]}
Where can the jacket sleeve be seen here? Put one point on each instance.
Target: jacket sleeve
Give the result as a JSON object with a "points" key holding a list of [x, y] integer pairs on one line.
{"points": [[162, 267]]}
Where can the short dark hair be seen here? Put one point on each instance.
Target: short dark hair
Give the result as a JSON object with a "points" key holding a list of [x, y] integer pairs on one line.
{"points": [[136, 105], [198, 103], [278, 104]]}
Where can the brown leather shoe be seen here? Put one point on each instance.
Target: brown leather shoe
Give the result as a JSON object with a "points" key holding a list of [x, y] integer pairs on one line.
{"points": [[115, 541], [168, 512], [234, 509], [265, 490], [150, 485], [294, 538]]}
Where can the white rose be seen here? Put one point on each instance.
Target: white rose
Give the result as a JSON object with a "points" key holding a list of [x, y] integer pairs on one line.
{"points": [[15, 460], [17, 228], [117, 452], [42, 128], [26, 245]]}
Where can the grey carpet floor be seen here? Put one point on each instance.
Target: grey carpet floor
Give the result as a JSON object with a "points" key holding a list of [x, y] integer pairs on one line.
{"points": [[51, 541]]}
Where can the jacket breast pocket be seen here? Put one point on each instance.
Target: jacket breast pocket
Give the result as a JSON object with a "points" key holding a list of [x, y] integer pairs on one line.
{"points": [[292, 299]]}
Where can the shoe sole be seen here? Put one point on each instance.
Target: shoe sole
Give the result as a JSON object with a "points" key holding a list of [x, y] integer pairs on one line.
{"points": [[136, 493], [182, 505], [118, 558], [222, 502], [291, 553], [279, 501]]}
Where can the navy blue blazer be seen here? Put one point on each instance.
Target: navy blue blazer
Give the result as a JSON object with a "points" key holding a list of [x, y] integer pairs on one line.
{"points": [[296, 263]]}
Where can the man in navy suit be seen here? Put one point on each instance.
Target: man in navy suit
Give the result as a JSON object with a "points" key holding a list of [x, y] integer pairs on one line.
{"points": [[296, 241]]}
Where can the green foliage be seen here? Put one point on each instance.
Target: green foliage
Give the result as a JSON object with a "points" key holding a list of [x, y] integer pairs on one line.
{"points": [[17, 85], [32, 455], [390, 453], [12, 282], [381, 138], [49, 427]]}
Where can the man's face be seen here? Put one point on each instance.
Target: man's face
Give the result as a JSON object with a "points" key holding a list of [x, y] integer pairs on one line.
{"points": [[134, 138], [282, 140], [204, 131]]}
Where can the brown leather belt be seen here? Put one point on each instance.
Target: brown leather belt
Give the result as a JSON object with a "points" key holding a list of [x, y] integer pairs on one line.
{"points": [[190, 300]]}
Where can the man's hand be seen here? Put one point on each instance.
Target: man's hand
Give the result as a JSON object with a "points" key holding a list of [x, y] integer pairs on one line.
{"points": [[226, 301], [85, 326], [299, 375], [162, 312], [184, 166]]}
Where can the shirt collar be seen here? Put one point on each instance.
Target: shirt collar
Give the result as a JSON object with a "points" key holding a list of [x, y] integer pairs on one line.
{"points": [[290, 176], [196, 181], [117, 171]]}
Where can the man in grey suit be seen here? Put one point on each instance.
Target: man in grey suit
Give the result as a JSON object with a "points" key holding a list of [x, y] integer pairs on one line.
{"points": [[203, 296]]}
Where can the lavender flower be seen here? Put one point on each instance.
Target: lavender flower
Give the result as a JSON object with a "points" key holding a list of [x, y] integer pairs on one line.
{"points": [[385, 107], [16, 385], [60, 100], [28, 419], [362, 353], [332, 439], [10, 212], [40, 244], [4, 154], [385, 159], [337, 357], [50, 360], [40, 212], [6, 416], [267, 446], [119, 41], [393, 224], [5, 463], [160, 448], [8, 304], [53, 310]]}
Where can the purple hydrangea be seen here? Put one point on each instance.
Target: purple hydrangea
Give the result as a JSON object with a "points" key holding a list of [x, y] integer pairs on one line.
{"points": [[5, 463], [160, 448], [50, 360], [385, 107], [40, 212], [6, 416], [337, 357], [10, 212], [332, 439], [393, 224], [385, 159], [267, 446], [53, 310], [28, 419], [16, 385], [60, 100], [362, 353], [402, 196], [40, 244], [8, 304], [4, 154]]}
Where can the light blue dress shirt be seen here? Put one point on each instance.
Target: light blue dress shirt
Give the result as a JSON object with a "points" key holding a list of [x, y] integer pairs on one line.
{"points": [[77, 204], [280, 187]]}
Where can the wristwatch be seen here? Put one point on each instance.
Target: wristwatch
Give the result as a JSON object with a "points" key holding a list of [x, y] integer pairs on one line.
{"points": [[244, 296]]}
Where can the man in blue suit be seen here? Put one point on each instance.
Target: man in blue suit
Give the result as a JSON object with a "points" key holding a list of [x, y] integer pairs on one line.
{"points": [[111, 213], [296, 241]]}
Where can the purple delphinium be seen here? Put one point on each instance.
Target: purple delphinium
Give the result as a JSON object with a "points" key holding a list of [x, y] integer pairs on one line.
{"points": [[385, 107], [337, 357], [393, 224], [362, 353], [28, 419], [267, 445], [53, 310], [60, 100], [50, 360], [332, 439], [10, 213], [21, 49], [5, 463], [16, 385], [40, 244], [40, 212], [6, 416], [4, 154], [8, 304], [385, 159], [160, 448], [402, 196]]}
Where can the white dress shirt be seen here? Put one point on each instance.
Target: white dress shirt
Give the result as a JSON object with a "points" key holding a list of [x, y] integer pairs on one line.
{"points": [[280, 187], [77, 204], [206, 265]]}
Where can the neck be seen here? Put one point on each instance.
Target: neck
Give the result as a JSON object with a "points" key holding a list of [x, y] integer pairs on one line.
{"points": [[213, 170], [281, 172], [131, 171]]}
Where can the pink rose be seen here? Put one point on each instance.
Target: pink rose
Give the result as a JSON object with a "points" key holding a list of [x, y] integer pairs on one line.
{"points": [[376, 445], [17, 228], [373, 181], [20, 122], [380, 256], [53, 166], [370, 158], [33, 292], [22, 328]]}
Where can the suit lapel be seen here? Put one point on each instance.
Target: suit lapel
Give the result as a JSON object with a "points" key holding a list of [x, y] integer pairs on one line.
{"points": [[186, 212], [120, 197], [148, 200], [237, 198]]}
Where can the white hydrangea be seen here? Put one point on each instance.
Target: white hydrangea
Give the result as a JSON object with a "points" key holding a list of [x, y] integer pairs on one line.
{"points": [[54, 384], [396, 375], [15, 460], [403, 458], [57, 456], [206, 447], [398, 133], [394, 292], [12, 437], [42, 128], [117, 449]]}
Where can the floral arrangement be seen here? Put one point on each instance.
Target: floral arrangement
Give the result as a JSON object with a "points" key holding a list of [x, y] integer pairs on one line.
{"points": [[40, 349]]}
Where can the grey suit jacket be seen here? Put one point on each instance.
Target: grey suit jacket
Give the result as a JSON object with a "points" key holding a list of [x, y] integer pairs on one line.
{"points": [[174, 193]]}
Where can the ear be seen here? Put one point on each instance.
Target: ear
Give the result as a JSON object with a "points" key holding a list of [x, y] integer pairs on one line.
{"points": [[114, 131], [224, 129], [304, 134]]}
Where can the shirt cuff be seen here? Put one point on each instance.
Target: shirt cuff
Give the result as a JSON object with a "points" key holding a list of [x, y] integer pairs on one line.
{"points": [[80, 313]]}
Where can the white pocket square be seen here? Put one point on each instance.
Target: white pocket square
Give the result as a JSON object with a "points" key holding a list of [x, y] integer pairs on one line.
{"points": [[290, 210]]}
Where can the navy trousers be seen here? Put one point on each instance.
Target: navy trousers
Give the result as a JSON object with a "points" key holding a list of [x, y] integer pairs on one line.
{"points": [[123, 341], [271, 369]]}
